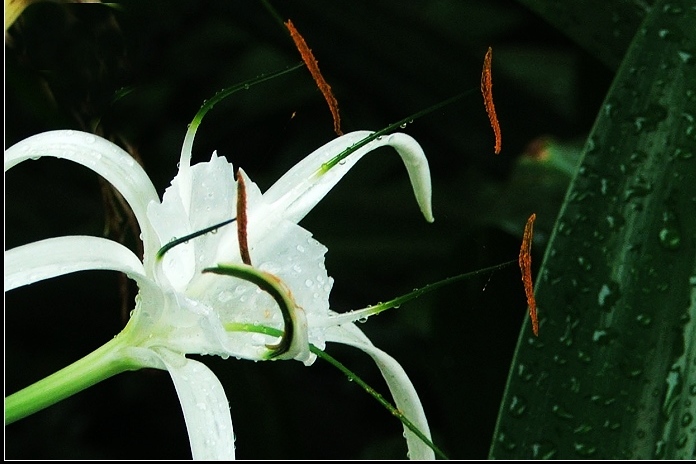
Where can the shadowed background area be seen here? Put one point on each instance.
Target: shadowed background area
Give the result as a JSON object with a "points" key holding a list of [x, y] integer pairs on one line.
{"points": [[65, 64]]}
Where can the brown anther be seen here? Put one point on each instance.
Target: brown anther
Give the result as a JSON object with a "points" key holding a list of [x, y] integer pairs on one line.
{"points": [[242, 220], [487, 91], [313, 66], [525, 261]]}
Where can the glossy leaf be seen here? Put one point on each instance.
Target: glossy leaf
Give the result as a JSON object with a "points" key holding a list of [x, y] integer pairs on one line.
{"points": [[613, 373]]}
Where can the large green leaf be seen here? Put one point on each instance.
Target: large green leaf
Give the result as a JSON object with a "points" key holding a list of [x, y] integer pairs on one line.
{"points": [[613, 373]]}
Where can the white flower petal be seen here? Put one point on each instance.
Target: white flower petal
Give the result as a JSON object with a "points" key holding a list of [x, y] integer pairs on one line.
{"points": [[400, 385], [305, 184], [205, 406], [102, 157], [209, 199], [58, 256]]}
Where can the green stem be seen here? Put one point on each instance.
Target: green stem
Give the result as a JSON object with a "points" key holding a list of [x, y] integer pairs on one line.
{"points": [[361, 314], [274, 287], [221, 95], [398, 124], [394, 411], [99, 365], [242, 327]]}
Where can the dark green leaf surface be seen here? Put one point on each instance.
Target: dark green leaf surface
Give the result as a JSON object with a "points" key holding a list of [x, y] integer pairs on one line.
{"points": [[613, 373]]}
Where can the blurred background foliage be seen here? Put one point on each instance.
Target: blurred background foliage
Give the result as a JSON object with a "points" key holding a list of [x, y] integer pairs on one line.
{"points": [[64, 65]]}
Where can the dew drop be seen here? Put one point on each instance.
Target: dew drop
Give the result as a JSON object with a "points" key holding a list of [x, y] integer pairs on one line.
{"points": [[611, 425], [686, 419], [660, 449], [685, 57], [584, 449], [561, 412], [681, 441], [506, 442], [544, 450], [670, 238], [582, 429], [602, 336], [518, 406], [674, 385], [584, 357], [644, 320]]}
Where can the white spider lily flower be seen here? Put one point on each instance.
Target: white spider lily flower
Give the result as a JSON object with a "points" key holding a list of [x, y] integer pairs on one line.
{"points": [[182, 309]]}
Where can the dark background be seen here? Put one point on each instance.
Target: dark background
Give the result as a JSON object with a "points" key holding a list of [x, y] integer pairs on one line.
{"points": [[384, 60]]}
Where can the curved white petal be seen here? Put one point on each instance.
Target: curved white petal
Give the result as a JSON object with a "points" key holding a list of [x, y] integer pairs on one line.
{"points": [[305, 184], [400, 385], [58, 256], [205, 406], [102, 157]]}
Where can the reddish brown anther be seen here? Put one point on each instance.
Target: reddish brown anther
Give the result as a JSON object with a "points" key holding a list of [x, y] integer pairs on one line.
{"points": [[242, 220], [313, 66], [487, 91], [525, 261]]}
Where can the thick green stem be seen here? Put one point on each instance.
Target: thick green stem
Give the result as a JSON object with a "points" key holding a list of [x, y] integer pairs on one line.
{"points": [[99, 365]]}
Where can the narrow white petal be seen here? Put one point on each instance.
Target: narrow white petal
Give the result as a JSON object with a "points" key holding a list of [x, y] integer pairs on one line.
{"points": [[400, 385], [205, 406], [304, 185], [58, 256], [102, 157]]}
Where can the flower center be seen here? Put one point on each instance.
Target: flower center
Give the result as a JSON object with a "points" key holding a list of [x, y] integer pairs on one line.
{"points": [[293, 339]]}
